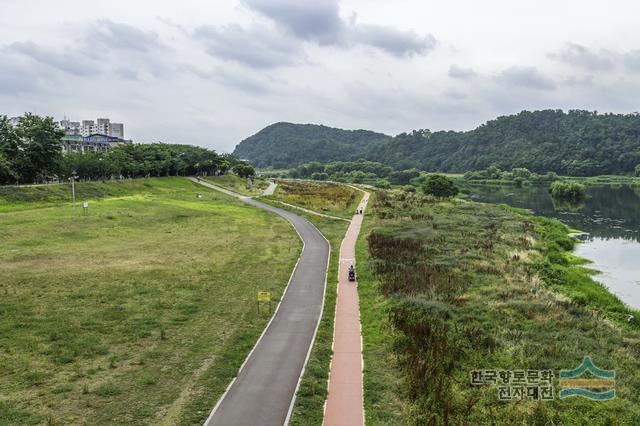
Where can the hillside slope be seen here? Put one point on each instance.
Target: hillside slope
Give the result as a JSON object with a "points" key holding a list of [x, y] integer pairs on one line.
{"points": [[284, 145], [580, 143]]}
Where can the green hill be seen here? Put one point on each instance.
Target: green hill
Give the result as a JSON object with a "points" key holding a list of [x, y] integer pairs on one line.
{"points": [[580, 143], [283, 145]]}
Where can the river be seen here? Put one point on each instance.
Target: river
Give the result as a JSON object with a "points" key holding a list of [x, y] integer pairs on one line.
{"points": [[611, 216]]}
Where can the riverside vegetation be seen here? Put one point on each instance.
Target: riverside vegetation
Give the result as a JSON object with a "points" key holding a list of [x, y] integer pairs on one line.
{"points": [[137, 313], [447, 287], [322, 197]]}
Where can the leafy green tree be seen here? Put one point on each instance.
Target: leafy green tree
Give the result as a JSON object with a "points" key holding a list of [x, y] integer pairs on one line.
{"points": [[493, 172], [41, 143], [244, 170], [319, 176], [439, 186], [383, 183], [403, 177], [521, 173], [10, 151], [7, 174]]}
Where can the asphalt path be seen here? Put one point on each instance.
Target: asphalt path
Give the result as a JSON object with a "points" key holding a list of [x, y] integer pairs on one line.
{"points": [[264, 390]]}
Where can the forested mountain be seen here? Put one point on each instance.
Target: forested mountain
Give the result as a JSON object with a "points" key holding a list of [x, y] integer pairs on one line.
{"points": [[283, 145], [580, 143]]}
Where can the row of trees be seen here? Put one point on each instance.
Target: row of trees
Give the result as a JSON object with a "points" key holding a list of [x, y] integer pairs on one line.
{"points": [[354, 171], [31, 152], [517, 175]]}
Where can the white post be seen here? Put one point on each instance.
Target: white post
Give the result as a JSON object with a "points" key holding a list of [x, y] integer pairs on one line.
{"points": [[73, 190]]}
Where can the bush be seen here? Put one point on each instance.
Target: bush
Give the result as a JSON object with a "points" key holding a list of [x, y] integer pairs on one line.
{"points": [[319, 176], [440, 186], [383, 183], [571, 191]]}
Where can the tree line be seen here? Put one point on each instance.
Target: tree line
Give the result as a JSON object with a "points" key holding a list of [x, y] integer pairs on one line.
{"points": [[31, 152], [360, 171]]}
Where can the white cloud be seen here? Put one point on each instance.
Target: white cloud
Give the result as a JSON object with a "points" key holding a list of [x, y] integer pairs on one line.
{"points": [[211, 73]]}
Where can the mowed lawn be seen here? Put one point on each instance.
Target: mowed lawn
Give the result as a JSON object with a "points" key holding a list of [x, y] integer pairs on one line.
{"points": [[140, 312]]}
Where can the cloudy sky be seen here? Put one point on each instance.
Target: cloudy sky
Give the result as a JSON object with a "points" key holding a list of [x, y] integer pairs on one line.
{"points": [[212, 72]]}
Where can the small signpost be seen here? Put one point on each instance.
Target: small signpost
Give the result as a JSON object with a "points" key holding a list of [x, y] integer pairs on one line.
{"points": [[264, 296], [85, 207]]}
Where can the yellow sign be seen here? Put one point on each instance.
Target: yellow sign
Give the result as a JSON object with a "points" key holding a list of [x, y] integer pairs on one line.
{"points": [[264, 296]]}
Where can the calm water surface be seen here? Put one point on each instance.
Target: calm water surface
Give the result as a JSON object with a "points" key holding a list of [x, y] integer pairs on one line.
{"points": [[611, 215]]}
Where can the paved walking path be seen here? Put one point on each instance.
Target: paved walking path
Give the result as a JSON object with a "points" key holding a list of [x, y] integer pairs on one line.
{"points": [[263, 393], [270, 189], [312, 212], [345, 405]]}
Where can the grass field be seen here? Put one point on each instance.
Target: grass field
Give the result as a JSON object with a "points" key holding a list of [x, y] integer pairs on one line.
{"points": [[140, 312], [239, 185], [322, 197], [449, 287]]}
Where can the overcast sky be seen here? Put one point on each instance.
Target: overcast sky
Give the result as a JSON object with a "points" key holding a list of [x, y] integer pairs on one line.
{"points": [[212, 72]]}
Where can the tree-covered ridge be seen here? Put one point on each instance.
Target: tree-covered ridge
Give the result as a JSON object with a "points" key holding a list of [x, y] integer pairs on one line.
{"points": [[283, 145], [579, 143]]}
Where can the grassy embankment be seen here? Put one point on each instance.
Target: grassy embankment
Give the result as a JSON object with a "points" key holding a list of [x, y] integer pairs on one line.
{"points": [[322, 197], [449, 287], [339, 201], [606, 180], [138, 313], [240, 185], [589, 181]]}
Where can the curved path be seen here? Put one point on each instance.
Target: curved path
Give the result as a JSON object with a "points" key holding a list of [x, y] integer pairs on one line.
{"points": [[345, 402], [264, 390], [270, 189]]}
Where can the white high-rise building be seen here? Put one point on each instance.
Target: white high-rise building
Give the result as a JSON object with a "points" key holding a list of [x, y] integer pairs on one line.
{"points": [[116, 130], [102, 126], [88, 128]]}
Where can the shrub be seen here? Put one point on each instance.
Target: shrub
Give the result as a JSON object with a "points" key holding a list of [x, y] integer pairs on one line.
{"points": [[383, 183], [440, 186], [319, 176], [571, 191]]}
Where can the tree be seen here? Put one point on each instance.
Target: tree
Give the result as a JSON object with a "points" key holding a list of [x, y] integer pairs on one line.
{"points": [[403, 177], [7, 174], [319, 176], [521, 173], [493, 172], [439, 186], [41, 142], [10, 148], [637, 170], [244, 170]]}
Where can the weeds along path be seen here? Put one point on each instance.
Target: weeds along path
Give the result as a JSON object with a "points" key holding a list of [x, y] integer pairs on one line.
{"points": [[264, 390], [345, 404]]}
